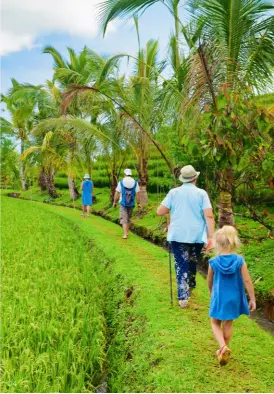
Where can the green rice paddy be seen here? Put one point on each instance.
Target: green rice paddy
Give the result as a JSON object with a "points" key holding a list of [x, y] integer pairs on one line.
{"points": [[81, 308]]}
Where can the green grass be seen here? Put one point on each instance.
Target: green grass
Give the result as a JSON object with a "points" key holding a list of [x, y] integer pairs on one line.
{"points": [[257, 244], [153, 347], [53, 325]]}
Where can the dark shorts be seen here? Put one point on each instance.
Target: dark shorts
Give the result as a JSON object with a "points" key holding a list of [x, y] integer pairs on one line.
{"points": [[125, 214]]}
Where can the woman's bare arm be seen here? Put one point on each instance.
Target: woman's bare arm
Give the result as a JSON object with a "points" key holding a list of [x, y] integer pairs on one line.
{"points": [[210, 224], [162, 210], [249, 287]]}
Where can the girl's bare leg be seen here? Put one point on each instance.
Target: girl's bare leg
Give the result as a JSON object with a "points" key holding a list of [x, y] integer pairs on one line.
{"points": [[227, 329], [217, 331], [83, 209], [88, 209]]}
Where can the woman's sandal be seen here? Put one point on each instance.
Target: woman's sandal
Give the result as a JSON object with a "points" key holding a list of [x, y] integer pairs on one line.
{"points": [[183, 304], [124, 236], [223, 355]]}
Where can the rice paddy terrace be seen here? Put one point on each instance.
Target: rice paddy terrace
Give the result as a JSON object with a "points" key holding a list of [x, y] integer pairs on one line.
{"points": [[83, 311]]}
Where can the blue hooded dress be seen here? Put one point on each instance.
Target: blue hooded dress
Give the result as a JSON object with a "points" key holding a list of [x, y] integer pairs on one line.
{"points": [[228, 300], [87, 192]]}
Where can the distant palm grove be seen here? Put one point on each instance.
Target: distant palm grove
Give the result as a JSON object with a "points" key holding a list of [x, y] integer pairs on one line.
{"points": [[208, 102]]}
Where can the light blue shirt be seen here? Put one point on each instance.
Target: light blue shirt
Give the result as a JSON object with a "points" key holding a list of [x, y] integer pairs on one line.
{"points": [[187, 221]]}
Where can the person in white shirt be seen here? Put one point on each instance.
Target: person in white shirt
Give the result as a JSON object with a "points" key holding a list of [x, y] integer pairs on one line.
{"points": [[126, 191], [191, 228]]}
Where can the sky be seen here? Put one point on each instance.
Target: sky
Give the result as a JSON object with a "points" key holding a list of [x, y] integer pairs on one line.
{"points": [[28, 26]]}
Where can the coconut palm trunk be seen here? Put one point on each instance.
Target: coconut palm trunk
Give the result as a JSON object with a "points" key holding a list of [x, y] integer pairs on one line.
{"points": [[50, 183], [143, 180], [5, 179], [42, 180], [73, 191], [113, 186], [22, 168], [226, 216]]}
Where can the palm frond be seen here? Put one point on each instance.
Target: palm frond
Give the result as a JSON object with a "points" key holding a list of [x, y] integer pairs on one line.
{"points": [[109, 65], [74, 125], [112, 9], [46, 140], [73, 58], [6, 127], [57, 57], [29, 151]]}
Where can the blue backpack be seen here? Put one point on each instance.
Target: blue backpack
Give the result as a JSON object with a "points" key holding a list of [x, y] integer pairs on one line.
{"points": [[128, 195]]}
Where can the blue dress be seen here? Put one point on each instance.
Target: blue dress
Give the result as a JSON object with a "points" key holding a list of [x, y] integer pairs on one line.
{"points": [[87, 192], [228, 300]]}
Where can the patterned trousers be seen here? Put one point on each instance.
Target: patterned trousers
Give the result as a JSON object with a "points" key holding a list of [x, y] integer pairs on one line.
{"points": [[186, 257]]}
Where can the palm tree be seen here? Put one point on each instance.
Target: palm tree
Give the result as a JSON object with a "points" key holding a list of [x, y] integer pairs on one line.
{"points": [[139, 96], [47, 98], [80, 70], [21, 112], [114, 154], [9, 164], [44, 155], [230, 41], [235, 52]]}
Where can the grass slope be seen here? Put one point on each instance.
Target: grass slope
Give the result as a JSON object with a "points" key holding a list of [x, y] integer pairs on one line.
{"points": [[156, 348]]}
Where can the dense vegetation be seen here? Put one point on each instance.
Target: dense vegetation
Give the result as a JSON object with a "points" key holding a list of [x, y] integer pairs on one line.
{"points": [[150, 347], [74, 316], [205, 105]]}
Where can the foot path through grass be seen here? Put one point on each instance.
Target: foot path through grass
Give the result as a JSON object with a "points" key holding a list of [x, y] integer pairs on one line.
{"points": [[171, 350]]}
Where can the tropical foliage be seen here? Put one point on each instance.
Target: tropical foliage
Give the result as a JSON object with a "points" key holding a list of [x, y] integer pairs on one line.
{"points": [[209, 105]]}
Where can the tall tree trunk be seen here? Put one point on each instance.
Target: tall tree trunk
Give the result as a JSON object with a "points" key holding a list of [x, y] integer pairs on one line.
{"points": [[22, 177], [143, 180], [113, 185], [73, 192], [177, 33], [226, 182], [50, 184], [22, 169], [42, 180]]}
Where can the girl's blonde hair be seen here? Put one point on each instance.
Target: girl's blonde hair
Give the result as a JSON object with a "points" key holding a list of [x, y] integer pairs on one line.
{"points": [[226, 239]]}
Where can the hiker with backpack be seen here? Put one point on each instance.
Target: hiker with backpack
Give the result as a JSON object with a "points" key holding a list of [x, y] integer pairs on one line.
{"points": [[191, 228], [126, 191]]}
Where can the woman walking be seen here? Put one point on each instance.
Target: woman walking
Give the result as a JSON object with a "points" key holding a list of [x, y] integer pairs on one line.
{"points": [[191, 228], [87, 189]]}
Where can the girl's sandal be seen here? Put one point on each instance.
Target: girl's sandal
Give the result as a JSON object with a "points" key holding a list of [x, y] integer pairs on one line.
{"points": [[124, 237], [223, 355], [183, 304]]}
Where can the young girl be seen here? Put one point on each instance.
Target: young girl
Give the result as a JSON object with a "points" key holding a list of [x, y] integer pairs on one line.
{"points": [[87, 189], [227, 276]]}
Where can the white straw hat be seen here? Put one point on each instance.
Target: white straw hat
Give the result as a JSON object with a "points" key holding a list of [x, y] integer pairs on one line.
{"points": [[188, 174], [86, 176], [128, 172]]}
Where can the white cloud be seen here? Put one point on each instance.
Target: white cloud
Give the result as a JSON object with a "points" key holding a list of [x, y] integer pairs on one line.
{"points": [[23, 21]]}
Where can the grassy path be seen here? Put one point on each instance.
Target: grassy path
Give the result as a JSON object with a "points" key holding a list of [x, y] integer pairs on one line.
{"points": [[258, 246], [176, 351], [170, 350]]}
